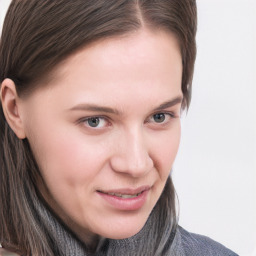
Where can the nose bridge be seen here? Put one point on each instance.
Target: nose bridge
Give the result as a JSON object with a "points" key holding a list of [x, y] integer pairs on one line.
{"points": [[132, 156]]}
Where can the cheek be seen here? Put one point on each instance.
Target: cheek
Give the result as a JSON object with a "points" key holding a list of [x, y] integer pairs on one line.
{"points": [[66, 158], [166, 151]]}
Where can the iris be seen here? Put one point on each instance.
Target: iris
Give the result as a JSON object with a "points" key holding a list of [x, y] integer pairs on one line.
{"points": [[159, 118]]}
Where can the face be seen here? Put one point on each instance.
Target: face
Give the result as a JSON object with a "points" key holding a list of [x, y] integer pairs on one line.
{"points": [[106, 130]]}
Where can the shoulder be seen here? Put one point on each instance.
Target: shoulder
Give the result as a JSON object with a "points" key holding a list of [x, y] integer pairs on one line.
{"points": [[198, 245]]}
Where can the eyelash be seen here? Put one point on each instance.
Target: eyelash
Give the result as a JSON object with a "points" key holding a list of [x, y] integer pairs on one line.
{"points": [[87, 119], [171, 115]]}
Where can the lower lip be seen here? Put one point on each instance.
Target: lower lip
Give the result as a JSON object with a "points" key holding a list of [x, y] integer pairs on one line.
{"points": [[126, 204]]}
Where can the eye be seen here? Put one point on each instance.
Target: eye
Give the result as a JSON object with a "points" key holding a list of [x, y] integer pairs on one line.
{"points": [[159, 117], [95, 122]]}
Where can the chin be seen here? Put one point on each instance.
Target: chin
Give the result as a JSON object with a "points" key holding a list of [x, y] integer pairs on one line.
{"points": [[123, 230]]}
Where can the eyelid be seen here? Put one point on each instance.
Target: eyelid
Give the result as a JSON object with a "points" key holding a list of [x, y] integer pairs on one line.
{"points": [[172, 114], [85, 119]]}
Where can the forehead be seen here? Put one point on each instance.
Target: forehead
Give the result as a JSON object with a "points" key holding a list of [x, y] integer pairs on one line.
{"points": [[141, 47], [121, 68]]}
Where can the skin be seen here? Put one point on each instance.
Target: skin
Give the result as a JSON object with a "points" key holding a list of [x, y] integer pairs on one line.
{"points": [[133, 76]]}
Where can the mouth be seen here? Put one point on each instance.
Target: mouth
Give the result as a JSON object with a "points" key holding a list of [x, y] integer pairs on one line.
{"points": [[124, 196], [126, 192], [126, 199]]}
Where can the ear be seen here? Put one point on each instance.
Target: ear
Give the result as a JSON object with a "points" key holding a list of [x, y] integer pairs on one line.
{"points": [[11, 104]]}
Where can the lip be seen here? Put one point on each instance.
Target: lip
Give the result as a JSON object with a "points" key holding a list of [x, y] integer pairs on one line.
{"points": [[126, 204]]}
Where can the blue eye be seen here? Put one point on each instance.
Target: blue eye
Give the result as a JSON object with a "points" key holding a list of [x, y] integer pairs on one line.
{"points": [[93, 122], [159, 118], [96, 122]]}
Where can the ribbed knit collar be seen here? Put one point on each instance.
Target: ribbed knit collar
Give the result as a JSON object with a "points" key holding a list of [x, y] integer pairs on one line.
{"points": [[72, 246]]}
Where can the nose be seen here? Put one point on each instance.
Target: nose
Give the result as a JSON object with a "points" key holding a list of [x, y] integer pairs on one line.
{"points": [[131, 155]]}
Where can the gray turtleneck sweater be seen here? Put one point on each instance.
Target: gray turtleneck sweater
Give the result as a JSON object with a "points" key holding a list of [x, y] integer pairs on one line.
{"points": [[182, 243]]}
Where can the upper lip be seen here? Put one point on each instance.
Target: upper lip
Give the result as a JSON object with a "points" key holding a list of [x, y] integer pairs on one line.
{"points": [[126, 191]]}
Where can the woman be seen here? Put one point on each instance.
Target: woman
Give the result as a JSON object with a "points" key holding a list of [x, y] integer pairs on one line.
{"points": [[91, 94]]}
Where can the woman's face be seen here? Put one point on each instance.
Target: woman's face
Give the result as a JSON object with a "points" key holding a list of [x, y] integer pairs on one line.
{"points": [[106, 130]]}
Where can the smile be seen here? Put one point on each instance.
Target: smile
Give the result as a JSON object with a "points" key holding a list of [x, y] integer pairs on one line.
{"points": [[126, 199], [123, 195]]}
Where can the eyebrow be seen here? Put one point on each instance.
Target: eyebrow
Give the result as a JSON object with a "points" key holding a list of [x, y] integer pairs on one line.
{"points": [[98, 108], [170, 103]]}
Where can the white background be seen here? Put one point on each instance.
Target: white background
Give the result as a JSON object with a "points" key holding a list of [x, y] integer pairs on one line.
{"points": [[215, 170]]}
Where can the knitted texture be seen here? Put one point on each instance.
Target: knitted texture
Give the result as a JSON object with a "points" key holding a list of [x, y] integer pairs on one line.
{"points": [[182, 243]]}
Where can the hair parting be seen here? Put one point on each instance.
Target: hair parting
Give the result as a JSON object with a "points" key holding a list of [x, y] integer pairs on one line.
{"points": [[36, 37]]}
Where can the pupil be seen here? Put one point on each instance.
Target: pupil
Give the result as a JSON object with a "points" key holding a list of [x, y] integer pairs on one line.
{"points": [[159, 118], [93, 122]]}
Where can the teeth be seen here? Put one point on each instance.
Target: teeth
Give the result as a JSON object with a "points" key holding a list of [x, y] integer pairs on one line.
{"points": [[128, 196], [124, 196]]}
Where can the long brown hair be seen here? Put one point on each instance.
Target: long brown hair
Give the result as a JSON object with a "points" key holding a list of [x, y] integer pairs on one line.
{"points": [[37, 36]]}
